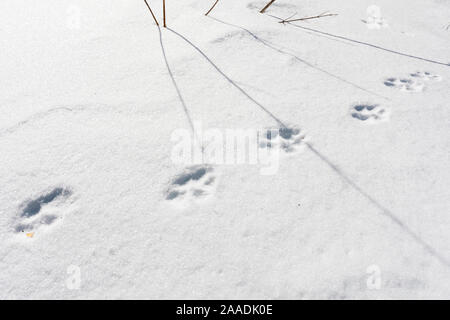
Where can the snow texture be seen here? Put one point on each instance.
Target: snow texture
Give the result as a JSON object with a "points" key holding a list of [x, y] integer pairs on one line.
{"points": [[92, 204]]}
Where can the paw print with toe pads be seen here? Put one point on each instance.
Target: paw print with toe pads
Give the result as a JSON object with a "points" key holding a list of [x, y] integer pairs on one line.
{"points": [[195, 183], [41, 211], [369, 113], [426, 76], [404, 84], [287, 139], [414, 84]]}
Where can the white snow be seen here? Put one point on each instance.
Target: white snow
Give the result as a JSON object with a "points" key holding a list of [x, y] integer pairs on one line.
{"points": [[93, 203]]}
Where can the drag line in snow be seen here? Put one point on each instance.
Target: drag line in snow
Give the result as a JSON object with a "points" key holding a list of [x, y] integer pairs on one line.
{"points": [[229, 79], [271, 46], [367, 44], [383, 209], [36, 116], [177, 89], [43, 114]]}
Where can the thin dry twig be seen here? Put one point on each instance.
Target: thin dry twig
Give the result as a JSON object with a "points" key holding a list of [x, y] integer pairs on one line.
{"points": [[267, 6], [288, 20], [154, 18], [291, 16], [164, 13], [212, 7]]}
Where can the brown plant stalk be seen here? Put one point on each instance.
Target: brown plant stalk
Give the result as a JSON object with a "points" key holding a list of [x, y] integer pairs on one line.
{"points": [[164, 13], [308, 18], [212, 7], [154, 18], [267, 6]]}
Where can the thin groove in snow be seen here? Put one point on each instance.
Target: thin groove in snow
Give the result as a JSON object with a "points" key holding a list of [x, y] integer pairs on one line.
{"points": [[271, 46], [233, 83], [388, 213], [177, 89], [367, 44]]}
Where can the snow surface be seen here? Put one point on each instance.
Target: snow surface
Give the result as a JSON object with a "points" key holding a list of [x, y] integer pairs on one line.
{"points": [[360, 204]]}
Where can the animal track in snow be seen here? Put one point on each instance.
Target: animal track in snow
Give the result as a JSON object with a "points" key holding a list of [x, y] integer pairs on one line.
{"points": [[287, 139], [426, 76], [405, 84], [369, 113], [414, 84], [195, 183], [41, 211], [375, 23]]}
